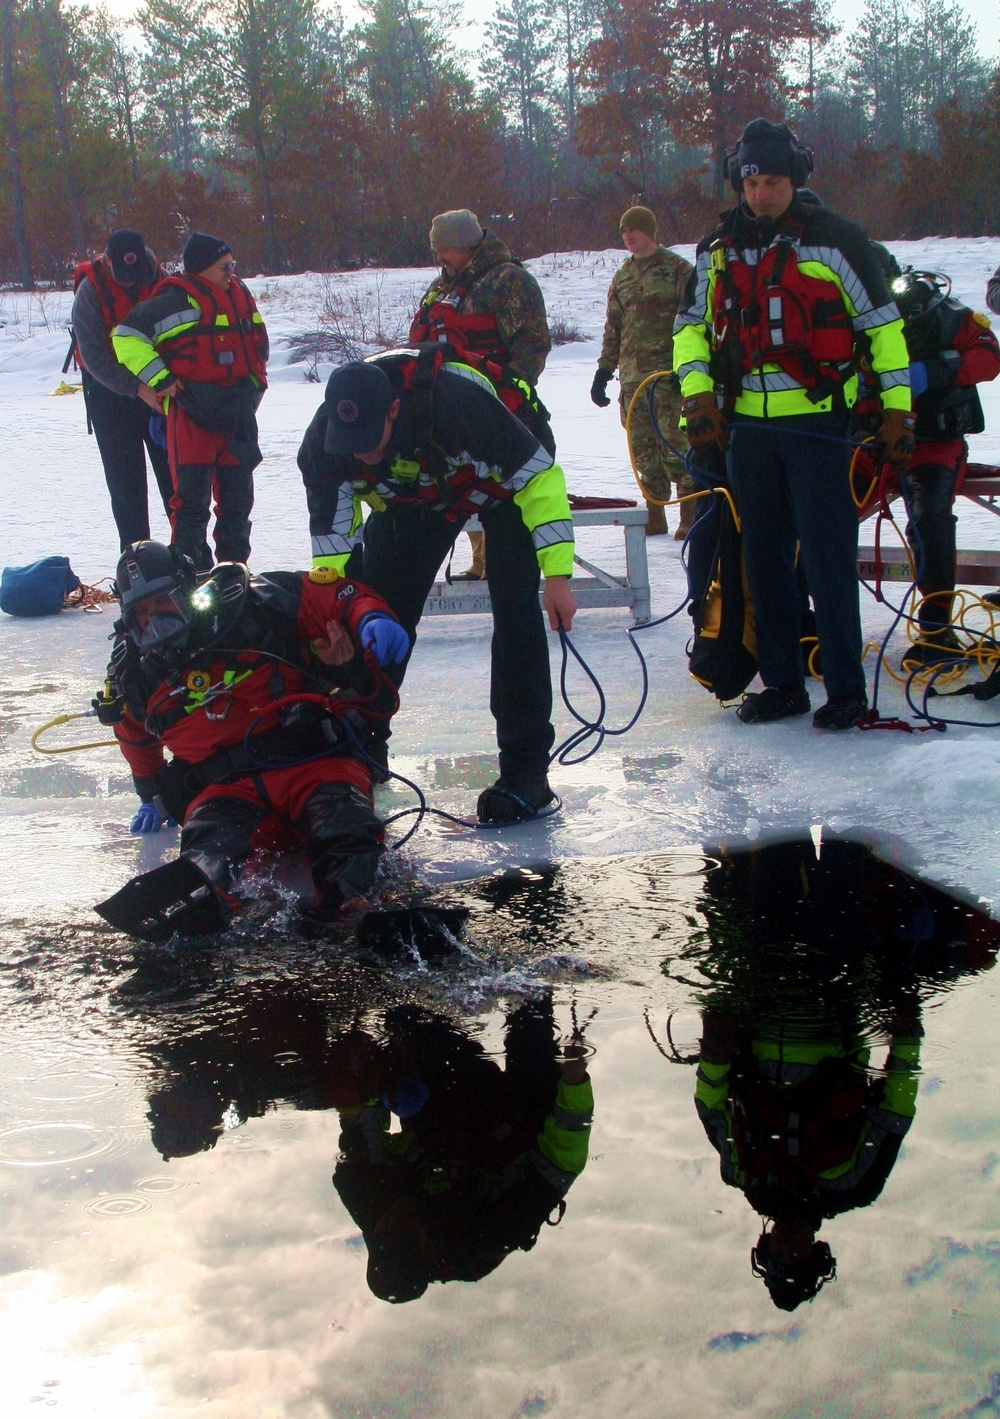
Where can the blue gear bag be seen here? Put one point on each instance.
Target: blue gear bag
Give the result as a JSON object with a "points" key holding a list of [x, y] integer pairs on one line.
{"points": [[38, 589]]}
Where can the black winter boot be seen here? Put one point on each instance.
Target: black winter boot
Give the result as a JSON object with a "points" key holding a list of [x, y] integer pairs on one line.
{"points": [[766, 706], [515, 797], [842, 712]]}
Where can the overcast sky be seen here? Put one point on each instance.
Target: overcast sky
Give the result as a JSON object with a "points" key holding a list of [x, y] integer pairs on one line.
{"points": [[985, 14]]}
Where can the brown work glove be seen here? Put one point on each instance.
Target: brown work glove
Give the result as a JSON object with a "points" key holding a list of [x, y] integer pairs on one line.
{"points": [[896, 437], [706, 425]]}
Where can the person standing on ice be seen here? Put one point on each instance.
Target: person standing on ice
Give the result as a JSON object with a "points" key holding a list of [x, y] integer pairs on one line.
{"points": [[200, 344], [952, 350], [486, 303], [644, 297], [765, 351], [214, 669], [427, 442], [119, 403]]}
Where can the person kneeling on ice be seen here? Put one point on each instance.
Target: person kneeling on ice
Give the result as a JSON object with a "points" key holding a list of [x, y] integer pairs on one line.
{"points": [[426, 442], [265, 689]]}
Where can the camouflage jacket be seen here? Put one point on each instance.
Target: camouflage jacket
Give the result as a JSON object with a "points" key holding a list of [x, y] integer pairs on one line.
{"points": [[495, 282], [644, 297]]}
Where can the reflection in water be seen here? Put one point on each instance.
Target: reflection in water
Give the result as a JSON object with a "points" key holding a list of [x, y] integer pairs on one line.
{"points": [[813, 959], [448, 1161], [443, 1103], [484, 1156]]}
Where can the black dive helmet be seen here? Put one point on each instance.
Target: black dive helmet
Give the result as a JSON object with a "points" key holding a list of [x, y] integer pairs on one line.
{"points": [[919, 295], [150, 570]]}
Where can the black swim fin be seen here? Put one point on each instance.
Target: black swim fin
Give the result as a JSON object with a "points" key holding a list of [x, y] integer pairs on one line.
{"points": [[432, 931], [175, 897]]}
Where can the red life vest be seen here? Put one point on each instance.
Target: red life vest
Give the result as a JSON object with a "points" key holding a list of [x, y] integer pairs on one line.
{"points": [[434, 482], [212, 353], [476, 337], [116, 301], [442, 320], [790, 1135], [772, 313]]}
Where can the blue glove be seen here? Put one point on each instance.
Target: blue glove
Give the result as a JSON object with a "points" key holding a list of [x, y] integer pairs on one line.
{"points": [[409, 1097], [149, 819], [158, 430], [918, 379], [386, 637]]}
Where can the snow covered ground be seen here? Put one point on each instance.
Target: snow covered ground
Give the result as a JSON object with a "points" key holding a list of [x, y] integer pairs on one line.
{"points": [[688, 773]]}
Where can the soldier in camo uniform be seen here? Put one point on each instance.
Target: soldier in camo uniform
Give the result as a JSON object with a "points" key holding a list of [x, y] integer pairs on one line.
{"points": [[485, 301], [645, 294]]}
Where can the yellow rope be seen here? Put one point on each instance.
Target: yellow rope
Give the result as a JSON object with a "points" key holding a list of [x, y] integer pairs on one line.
{"points": [[69, 748], [647, 497], [850, 476]]}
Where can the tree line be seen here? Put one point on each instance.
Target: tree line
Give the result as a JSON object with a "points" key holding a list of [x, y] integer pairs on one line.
{"points": [[311, 143]]}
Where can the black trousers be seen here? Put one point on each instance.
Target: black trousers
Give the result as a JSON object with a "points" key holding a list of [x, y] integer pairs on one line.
{"points": [[929, 491], [343, 838], [403, 549], [792, 486], [121, 427]]}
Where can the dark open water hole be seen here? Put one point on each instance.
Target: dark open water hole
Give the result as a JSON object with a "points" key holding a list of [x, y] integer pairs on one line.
{"points": [[266, 1177]]}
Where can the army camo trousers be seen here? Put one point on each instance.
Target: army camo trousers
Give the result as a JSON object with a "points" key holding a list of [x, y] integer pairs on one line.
{"points": [[657, 466]]}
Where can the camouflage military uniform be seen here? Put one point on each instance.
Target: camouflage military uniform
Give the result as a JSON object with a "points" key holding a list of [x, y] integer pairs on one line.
{"points": [[643, 299], [494, 283]]}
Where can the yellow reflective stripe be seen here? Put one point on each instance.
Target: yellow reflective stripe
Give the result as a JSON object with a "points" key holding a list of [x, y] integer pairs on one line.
{"points": [[567, 1148], [543, 500], [692, 342], [136, 353], [334, 564], [712, 1095], [783, 402]]}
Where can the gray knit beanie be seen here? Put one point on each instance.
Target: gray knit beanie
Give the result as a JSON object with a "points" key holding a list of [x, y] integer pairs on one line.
{"points": [[458, 228]]}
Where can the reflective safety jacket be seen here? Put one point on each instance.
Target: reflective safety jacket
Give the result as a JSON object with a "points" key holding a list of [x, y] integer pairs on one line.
{"points": [[469, 455], [195, 331], [200, 703], [773, 310], [808, 1118]]}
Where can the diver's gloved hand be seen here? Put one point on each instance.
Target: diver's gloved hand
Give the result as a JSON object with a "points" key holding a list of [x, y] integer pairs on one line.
{"points": [[383, 636], [598, 390], [918, 378], [158, 430], [150, 818]]}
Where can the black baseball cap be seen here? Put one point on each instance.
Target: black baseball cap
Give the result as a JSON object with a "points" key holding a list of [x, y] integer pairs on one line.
{"points": [[126, 250], [358, 398]]}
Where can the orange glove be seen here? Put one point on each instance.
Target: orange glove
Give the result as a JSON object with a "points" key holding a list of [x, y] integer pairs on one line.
{"points": [[896, 437], [706, 425]]}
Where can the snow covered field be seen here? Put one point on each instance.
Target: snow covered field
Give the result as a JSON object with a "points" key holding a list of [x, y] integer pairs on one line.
{"points": [[688, 773]]}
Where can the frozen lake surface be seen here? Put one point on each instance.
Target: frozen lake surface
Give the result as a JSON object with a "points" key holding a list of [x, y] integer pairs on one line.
{"points": [[229, 1278]]}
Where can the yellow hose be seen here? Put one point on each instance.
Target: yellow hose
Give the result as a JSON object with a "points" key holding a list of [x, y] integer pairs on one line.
{"points": [[850, 475], [671, 502], [69, 748]]}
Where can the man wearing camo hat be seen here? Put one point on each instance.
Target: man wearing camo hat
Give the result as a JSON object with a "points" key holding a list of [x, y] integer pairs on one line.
{"points": [[485, 302]]}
